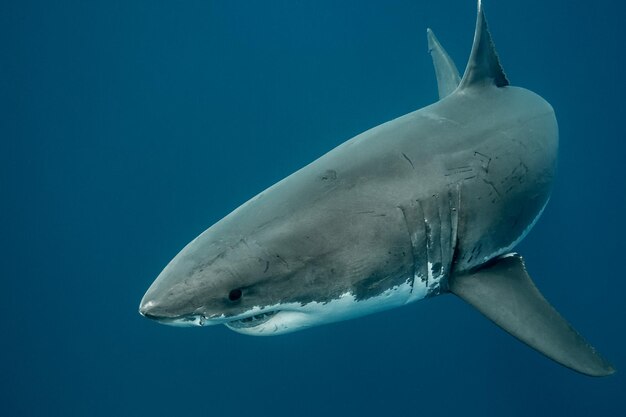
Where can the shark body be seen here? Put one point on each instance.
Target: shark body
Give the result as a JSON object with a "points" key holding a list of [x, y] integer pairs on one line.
{"points": [[426, 204]]}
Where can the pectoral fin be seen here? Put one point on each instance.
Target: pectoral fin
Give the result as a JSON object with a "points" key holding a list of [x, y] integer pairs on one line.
{"points": [[505, 293]]}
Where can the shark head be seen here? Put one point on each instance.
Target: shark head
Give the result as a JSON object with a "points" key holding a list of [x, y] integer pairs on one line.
{"points": [[277, 265]]}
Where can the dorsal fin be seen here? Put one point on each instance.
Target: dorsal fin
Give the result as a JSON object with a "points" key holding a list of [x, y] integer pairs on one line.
{"points": [[447, 75], [483, 67]]}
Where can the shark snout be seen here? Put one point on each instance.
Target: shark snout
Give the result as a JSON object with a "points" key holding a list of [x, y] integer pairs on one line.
{"points": [[154, 310], [160, 304], [165, 300], [149, 309]]}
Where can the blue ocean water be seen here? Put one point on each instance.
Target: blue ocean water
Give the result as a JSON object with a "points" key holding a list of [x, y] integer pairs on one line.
{"points": [[128, 127]]}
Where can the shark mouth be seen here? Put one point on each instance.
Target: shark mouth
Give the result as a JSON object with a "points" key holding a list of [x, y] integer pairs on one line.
{"points": [[251, 321], [190, 320]]}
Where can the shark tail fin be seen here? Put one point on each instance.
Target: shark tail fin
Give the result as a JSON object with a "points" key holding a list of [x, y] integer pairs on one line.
{"points": [[483, 67], [504, 292], [447, 75]]}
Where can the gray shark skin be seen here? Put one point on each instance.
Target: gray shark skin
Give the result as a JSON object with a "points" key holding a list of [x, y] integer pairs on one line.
{"points": [[426, 204]]}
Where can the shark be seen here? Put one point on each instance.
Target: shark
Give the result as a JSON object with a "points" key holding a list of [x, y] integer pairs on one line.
{"points": [[430, 203]]}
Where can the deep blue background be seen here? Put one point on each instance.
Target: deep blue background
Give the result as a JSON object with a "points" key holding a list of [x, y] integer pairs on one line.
{"points": [[128, 127]]}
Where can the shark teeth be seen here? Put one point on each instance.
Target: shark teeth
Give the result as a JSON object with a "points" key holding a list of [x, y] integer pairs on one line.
{"points": [[251, 321]]}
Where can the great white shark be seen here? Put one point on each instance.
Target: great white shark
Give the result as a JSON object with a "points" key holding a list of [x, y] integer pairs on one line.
{"points": [[430, 203]]}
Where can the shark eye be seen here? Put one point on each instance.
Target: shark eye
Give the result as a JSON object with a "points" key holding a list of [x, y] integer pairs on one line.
{"points": [[235, 295]]}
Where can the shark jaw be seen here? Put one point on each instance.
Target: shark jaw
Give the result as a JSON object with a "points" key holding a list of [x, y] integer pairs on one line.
{"points": [[290, 317]]}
